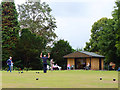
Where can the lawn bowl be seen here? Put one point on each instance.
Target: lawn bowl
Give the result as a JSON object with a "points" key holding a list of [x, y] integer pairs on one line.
{"points": [[36, 78], [100, 78], [114, 79]]}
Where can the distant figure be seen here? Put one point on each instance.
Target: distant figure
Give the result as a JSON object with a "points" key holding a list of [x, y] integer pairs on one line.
{"points": [[45, 62], [112, 66], [88, 66], [9, 61], [118, 68], [51, 63], [68, 67], [12, 65], [56, 65], [72, 67]]}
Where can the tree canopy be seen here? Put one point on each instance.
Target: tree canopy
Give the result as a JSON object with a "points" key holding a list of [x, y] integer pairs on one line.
{"points": [[116, 18], [60, 49], [10, 28], [105, 37], [36, 16], [28, 49]]}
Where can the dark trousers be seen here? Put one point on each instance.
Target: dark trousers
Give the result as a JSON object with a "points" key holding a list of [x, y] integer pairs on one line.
{"points": [[45, 67], [9, 68]]}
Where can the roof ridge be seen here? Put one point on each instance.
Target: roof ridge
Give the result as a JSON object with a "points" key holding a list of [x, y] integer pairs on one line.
{"points": [[91, 53]]}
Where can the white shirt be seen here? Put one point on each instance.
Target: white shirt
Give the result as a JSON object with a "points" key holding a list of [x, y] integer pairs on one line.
{"points": [[11, 64]]}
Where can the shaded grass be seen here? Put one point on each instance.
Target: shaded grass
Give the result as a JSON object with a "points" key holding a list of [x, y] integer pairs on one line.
{"points": [[60, 79]]}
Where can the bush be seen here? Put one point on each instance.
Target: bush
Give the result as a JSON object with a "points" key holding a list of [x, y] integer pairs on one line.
{"points": [[106, 67], [16, 68], [26, 69]]}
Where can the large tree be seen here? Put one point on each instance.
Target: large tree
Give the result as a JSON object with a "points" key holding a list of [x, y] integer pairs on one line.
{"points": [[36, 16], [0, 38], [10, 29], [107, 42], [96, 30], [103, 39], [28, 50], [116, 18], [60, 49]]}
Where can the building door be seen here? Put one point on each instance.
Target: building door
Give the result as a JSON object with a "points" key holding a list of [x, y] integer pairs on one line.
{"points": [[99, 63], [80, 63]]}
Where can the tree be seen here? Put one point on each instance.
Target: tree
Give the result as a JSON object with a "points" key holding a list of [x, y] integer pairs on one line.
{"points": [[0, 38], [103, 39], [36, 16], [96, 30], [28, 50], [78, 49], [60, 49], [116, 18], [10, 28], [107, 41]]}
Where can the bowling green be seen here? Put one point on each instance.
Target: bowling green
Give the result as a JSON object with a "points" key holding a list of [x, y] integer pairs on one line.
{"points": [[60, 79]]}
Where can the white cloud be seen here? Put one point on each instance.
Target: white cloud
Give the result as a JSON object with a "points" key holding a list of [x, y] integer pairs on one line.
{"points": [[75, 30], [103, 9]]}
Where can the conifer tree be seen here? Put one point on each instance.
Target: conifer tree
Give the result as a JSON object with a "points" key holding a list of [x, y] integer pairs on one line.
{"points": [[10, 29]]}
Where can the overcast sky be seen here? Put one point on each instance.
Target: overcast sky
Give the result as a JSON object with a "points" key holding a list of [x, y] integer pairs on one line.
{"points": [[75, 18]]}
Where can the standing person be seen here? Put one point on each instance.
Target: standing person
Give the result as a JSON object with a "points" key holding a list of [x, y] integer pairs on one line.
{"points": [[9, 63], [51, 63], [45, 61], [12, 65]]}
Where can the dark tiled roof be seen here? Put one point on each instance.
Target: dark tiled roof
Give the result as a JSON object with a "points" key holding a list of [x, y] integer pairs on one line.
{"points": [[91, 54], [80, 54]]}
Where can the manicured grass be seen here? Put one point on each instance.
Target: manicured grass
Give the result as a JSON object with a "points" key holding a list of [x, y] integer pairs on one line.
{"points": [[0, 80], [60, 79]]}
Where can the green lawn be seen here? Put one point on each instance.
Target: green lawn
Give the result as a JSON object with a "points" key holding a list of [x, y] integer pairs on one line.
{"points": [[60, 79]]}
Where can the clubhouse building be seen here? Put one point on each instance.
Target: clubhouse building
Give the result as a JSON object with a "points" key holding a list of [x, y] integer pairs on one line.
{"points": [[81, 59]]}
